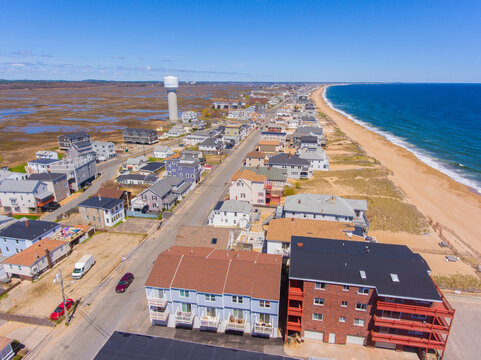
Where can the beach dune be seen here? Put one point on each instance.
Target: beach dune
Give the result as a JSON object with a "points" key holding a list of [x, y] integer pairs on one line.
{"points": [[454, 206]]}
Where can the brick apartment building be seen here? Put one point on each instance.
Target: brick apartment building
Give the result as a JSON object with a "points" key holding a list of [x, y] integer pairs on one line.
{"points": [[347, 292]]}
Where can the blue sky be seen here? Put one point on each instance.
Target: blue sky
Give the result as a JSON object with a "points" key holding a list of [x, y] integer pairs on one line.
{"points": [[333, 40]]}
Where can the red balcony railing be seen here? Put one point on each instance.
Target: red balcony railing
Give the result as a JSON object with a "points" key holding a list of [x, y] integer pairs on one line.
{"points": [[294, 310], [296, 294], [294, 326], [409, 340], [435, 310], [411, 325]]}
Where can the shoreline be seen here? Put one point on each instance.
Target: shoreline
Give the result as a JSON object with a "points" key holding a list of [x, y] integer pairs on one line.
{"points": [[420, 154], [453, 205]]}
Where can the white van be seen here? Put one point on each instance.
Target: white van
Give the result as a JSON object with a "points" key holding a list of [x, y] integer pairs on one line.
{"points": [[82, 266]]}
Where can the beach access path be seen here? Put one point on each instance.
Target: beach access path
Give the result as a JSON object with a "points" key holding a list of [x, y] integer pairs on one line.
{"points": [[447, 202]]}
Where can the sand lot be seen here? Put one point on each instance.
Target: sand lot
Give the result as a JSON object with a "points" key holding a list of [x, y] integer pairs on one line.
{"points": [[40, 297], [136, 226]]}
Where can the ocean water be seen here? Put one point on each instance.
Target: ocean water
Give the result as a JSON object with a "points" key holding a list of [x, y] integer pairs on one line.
{"points": [[439, 123]]}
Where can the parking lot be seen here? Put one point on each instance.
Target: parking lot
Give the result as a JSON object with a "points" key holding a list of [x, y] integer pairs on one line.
{"points": [[42, 296]]}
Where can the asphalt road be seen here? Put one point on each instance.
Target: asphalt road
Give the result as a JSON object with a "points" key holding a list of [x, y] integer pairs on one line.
{"points": [[104, 311]]}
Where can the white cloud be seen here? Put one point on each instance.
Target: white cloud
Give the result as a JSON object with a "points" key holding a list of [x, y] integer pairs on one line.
{"points": [[148, 68], [18, 64]]}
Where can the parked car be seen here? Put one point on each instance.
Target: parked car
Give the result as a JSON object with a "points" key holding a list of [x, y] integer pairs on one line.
{"points": [[52, 206], [124, 283], [59, 312]]}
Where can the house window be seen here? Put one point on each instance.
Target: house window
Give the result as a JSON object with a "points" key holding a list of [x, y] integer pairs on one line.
{"points": [[210, 312], [319, 301], [186, 308], [184, 293], [343, 303], [317, 316], [363, 291], [6, 248], [342, 319], [320, 286], [16, 241], [237, 299], [264, 304], [209, 297], [361, 307], [345, 288], [358, 322], [264, 318]]}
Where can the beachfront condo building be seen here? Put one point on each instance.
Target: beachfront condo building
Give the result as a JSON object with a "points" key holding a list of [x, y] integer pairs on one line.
{"points": [[351, 292]]}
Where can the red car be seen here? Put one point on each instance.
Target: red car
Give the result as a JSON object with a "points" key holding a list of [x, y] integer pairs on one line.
{"points": [[59, 312], [124, 283]]}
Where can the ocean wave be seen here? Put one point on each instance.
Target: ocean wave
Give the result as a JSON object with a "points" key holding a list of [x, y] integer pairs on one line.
{"points": [[457, 175]]}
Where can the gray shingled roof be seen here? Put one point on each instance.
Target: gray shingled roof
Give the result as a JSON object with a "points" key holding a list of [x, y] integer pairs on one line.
{"points": [[313, 155], [287, 159], [99, 202], [234, 206], [28, 229], [271, 173], [47, 176], [327, 204], [24, 186]]}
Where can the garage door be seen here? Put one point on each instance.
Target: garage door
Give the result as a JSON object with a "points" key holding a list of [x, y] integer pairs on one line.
{"points": [[313, 335], [358, 340]]}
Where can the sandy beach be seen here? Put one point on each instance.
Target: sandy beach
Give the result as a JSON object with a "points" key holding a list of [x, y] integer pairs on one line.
{"points": [[453, 207]]}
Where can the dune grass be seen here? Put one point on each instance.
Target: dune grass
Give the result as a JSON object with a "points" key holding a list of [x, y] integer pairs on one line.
{"points": [[458, 282]]}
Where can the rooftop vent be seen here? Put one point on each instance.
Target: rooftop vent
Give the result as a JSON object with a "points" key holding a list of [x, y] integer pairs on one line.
{"points": [[394, 278], [362, 273], [300, 244]]}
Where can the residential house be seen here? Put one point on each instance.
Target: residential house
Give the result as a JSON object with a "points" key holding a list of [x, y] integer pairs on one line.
{"points": [[34, 260], [6, 350], [140, 136], [269, 147], [233, 132], [24, 196], [255, 158], [220, 105], [318, 159], [215, 290], [247, 186], [183, 166], [231, 213], [327, 208], [65, 141], [161, 195], [11, 175], [152, 167], [349, 292], [280, 231], [79, 171], [81, 150], [57, 184], [296, 167], [301, 131], [115, 194], [101, 212], [211, 146], [176, 131], [191, 155], [38, 166], [189, 116], [43, 154], [205, 236], [104, 150], [137, 179], [274, 136], [309, 143], [162, 152], [276, 180], [197, 137], [24, 233], [135, 163]]}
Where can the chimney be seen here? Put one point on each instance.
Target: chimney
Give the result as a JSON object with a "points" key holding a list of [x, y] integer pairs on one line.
{"points": [[100, 198], [49, 260], [292, 219], [332, 199], [26, 223], [299, 201]]}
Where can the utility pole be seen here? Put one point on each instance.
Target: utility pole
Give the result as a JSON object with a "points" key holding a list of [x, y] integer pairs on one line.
{"points": [[59, 277]]}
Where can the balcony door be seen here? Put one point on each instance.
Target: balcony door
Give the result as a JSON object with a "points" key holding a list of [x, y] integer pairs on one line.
{"points": [[186, 308], [264, 318], [211, 312], [238, 314]]}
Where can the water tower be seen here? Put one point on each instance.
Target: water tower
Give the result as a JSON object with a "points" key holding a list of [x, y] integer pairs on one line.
{"points": [[171, 83]]}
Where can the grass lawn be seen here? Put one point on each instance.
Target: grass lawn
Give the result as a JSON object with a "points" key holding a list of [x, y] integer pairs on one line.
{"points": [[31, 217], [19, 168]]}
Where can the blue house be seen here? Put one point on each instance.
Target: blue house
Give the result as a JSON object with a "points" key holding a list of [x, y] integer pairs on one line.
{"points": [[185, 167], [216, 290], [22, 234]]}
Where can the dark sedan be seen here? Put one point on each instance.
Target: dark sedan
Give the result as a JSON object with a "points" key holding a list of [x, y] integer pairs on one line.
{"points": [[124, 283]]}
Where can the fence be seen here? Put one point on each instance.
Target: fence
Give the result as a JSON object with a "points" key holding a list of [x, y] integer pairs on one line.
{"points": [[35, 320], [141, 214]]}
